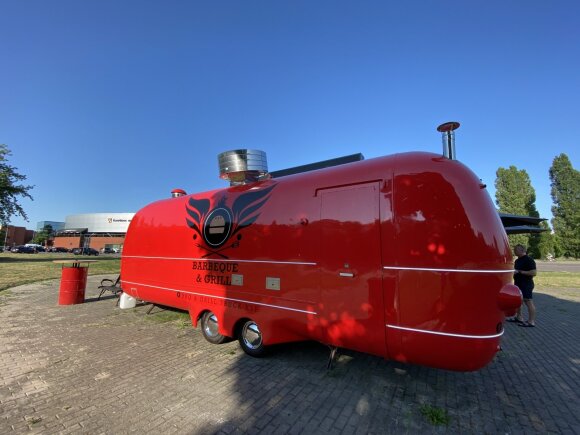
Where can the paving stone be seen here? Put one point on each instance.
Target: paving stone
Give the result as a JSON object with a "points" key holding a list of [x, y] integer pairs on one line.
{"points": [[93, 368]]}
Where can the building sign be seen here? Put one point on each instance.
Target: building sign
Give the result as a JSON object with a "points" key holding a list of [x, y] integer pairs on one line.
{"points": [[113, 220]]}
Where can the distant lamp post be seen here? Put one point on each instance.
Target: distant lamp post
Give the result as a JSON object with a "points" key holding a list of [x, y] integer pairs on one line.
{"points": [[5, 227]]}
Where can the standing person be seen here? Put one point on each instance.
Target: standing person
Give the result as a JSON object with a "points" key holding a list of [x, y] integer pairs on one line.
{"points": [[525, 270]]}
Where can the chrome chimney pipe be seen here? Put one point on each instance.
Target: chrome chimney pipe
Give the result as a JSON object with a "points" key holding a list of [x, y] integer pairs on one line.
{"points": [[448, 135], [243, 166]]}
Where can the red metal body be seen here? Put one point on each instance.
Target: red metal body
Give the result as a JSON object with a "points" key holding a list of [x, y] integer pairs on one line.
{"points": [[401, 256]]}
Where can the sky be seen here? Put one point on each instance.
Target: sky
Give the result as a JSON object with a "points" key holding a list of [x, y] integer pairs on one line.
{"points": [[109, 105]]}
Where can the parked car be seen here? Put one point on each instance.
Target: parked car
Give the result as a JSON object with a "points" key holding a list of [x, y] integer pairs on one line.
{"points": [[58, 249], [23, 250], [36, 247], [107, 251], [85, 251]]}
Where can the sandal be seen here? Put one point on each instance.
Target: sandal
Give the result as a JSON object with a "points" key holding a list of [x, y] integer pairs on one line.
{"points": [[515, 320], [527, 325]]}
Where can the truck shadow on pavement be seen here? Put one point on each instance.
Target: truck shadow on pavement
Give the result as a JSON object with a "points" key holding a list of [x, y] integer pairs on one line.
{"points": [[532, 385]]}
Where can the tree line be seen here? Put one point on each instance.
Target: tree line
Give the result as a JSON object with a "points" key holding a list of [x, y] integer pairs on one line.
{"points": [[515, 195], [10, 189]]}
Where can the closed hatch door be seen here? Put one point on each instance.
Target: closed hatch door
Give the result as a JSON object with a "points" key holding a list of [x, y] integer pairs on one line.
{"points": [[351, 289]]}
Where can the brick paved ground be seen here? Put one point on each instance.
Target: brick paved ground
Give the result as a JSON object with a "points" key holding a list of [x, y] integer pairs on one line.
{"points": [[93, 368]]}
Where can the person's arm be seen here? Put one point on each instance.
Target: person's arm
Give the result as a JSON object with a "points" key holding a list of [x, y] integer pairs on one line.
{"points": [[532, 272]]}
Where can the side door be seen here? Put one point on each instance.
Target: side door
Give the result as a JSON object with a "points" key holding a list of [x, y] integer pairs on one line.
{"points": [[351, 269]]}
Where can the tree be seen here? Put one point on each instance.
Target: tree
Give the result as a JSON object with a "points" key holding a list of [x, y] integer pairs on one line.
{"points": [[543, 242], [565, 182], [43, 235], [10, 189], [514, 194]]}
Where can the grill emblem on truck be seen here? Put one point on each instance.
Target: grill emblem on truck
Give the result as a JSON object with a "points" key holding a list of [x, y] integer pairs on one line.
{"points": [[219, 226]]}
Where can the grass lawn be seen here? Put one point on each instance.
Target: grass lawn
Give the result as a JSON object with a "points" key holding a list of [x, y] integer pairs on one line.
{"points": [[18, 269], [557, 280]]}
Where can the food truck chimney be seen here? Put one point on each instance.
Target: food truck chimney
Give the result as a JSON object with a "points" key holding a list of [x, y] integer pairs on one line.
{"points": [[447, 129], [243, 166]]}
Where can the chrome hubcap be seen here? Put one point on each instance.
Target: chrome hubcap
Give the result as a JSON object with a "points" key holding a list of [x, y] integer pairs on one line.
{"points": [[211, 326], [252, 335]]}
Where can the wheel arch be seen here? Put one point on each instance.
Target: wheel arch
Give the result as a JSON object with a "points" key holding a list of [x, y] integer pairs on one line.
{"points": [[239, 324], [195, 313]]}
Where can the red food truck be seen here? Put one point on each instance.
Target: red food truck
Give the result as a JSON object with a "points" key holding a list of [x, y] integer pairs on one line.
{"points": [[402, 256]]}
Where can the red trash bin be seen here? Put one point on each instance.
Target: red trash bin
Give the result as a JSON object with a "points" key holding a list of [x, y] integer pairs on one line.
{"points": [[73, 282], [72, 285]]}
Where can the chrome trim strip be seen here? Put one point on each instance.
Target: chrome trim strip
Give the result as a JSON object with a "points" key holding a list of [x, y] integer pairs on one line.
{"points": [[445, 333], [220, 297], [449, 270], [222, 260]]}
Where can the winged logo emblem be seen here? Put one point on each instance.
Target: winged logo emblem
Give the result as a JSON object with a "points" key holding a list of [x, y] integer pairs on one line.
{"points": [[219, 227]]}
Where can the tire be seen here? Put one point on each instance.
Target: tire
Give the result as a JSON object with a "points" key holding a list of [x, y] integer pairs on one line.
{"points": [[209, 328], [250, 338]]}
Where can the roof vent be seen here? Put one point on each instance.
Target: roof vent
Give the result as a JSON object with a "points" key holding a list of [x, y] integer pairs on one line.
{"points": [[176, 193], [243, 166]]}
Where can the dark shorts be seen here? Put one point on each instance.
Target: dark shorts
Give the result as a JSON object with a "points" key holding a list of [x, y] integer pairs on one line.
{"points": [[527, 292]]}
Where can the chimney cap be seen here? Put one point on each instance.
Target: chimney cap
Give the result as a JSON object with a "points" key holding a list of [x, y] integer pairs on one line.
{"points": [[448, 126], [242, 165]]}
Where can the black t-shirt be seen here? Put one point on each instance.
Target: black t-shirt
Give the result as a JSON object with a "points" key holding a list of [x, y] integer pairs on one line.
{"points": [[524, 281]]}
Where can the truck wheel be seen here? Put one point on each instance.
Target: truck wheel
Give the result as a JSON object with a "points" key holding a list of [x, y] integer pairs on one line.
{"points": [[209, 328], [250, 339]]}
